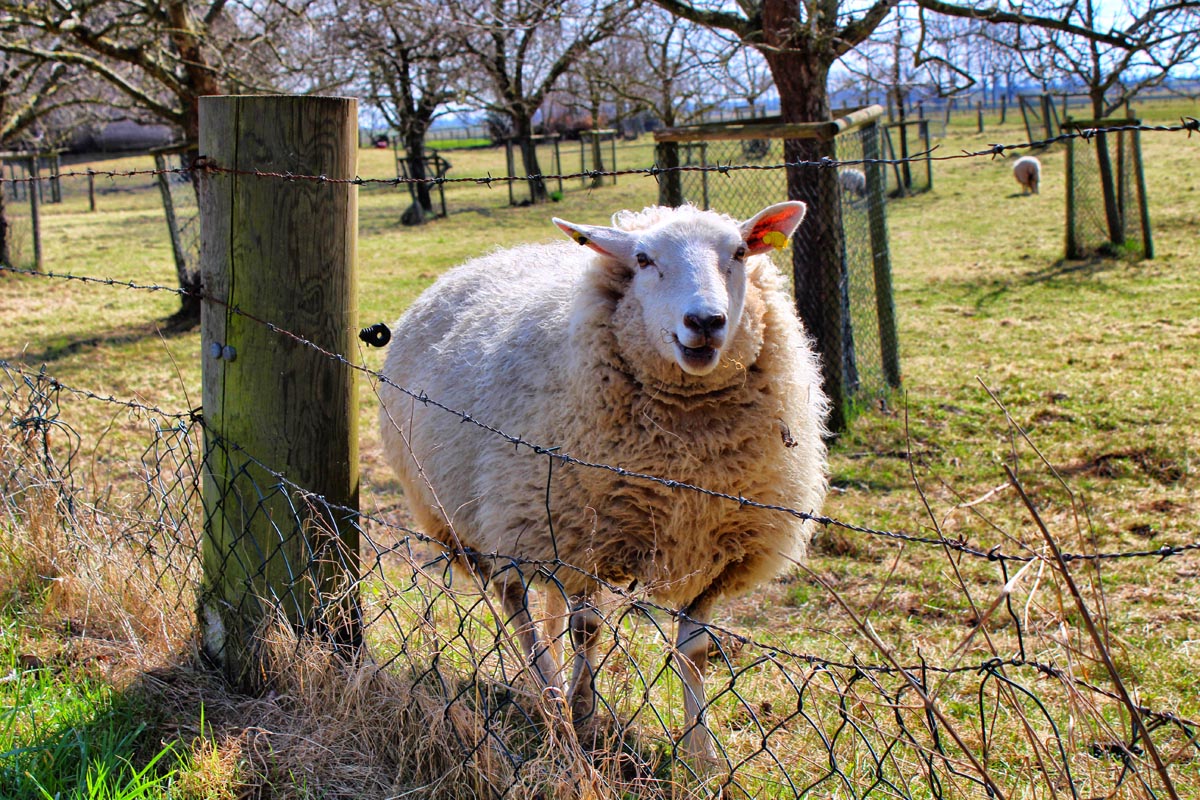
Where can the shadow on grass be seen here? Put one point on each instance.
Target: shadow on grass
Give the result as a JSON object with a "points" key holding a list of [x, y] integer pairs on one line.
{"points": [[58, 347], [1062, 272], [326, 731]]}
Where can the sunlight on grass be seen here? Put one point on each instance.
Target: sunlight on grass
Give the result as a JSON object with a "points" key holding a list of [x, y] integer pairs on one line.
{"points": [[1094, 360]]}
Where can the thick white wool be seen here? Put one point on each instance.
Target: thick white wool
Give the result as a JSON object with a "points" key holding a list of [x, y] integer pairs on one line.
{"points": [[1028, 172], [548, 342]]}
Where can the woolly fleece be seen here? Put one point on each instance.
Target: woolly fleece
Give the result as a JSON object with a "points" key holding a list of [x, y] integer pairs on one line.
{"points": [[544, 342], [1028, 172]]}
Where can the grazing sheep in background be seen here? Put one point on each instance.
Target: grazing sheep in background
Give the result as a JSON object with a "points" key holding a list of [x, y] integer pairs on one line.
{"points": [[1028, 171], [853, 181], [671, 348]]}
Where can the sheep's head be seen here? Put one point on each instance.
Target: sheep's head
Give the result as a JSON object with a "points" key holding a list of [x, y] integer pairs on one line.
{"points": [[688, 273]]}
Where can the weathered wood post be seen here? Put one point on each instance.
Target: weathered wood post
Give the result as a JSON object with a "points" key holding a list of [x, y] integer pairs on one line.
{"points": [[280, 418]]}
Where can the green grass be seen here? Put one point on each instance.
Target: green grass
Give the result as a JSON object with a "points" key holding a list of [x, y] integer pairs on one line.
{"points": [[1095, 359], [65, 733]]}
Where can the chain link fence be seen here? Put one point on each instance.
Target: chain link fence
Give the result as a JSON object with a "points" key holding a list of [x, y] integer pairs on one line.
{"points": [[850, 721], [1106, 204], [813, 707]]}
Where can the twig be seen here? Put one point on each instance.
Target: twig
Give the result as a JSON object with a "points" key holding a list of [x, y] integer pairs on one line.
{"points": [[1097, 640]]}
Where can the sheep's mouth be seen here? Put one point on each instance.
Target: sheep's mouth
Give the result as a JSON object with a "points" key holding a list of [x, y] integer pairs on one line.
{"points": [[697, 358]]}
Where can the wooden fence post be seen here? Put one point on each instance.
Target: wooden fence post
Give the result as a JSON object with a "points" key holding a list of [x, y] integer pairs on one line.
{"points": [[283, 252]]}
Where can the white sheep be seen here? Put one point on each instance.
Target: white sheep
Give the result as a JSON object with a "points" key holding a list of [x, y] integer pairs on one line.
{"points": [[853, 181], [1028, 171], [669, 348]]}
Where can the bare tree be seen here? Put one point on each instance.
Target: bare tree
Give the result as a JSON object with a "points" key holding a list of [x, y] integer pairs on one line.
{"points": [[523, 48], [659, 64], [30, 91], [1109, 53], [884, 63], [161, 57], [741, 70], [407, 68]]}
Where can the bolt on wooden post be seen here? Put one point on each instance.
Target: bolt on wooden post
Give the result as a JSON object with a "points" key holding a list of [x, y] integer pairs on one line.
{"points": [[280, 483]]}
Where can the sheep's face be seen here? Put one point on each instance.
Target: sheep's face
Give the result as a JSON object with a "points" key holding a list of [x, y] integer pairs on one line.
{"points": [[689, 275]]}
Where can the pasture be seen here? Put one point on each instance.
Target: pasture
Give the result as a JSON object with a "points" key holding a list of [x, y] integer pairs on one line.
{"points": [[1076, 376]]}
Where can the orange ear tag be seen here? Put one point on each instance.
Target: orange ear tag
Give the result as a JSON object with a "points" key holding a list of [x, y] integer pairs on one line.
{"points": [[775, 239]]}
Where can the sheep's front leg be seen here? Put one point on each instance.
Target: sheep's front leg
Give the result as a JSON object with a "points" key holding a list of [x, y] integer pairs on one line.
{"points": [[691, 658], [585, 632], [515, 597]]}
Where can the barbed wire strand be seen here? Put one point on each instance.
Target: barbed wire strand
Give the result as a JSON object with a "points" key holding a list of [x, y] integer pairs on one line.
{"points": [[1188, 125], [958, 545]]}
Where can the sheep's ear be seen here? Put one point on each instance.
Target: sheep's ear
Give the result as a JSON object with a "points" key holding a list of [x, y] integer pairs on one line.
{"points": [[612, 242], [772, 227]]}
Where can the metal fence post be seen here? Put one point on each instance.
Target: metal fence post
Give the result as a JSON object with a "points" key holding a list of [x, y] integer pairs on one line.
{"points": [[885, 305], [1073, 248], [35, 211], [282, 252]]}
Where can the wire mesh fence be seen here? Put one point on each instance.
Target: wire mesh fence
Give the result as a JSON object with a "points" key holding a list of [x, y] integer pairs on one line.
{"points": [[848, 718], [1106, 194]]}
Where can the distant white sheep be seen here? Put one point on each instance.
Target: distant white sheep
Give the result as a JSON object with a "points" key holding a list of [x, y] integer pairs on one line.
{"points": [[670, 348], [853, 182], [1028, 172]]}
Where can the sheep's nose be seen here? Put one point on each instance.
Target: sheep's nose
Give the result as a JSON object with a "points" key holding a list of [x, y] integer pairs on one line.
{"points": [[704, 324]]}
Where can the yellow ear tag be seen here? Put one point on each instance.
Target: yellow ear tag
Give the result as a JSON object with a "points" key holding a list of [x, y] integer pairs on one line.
{"points": [[579, 237], [775, 239]]}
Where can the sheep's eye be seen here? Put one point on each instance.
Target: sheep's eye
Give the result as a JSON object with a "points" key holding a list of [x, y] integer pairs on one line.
{"points": [[739, 254], [644, 260]]}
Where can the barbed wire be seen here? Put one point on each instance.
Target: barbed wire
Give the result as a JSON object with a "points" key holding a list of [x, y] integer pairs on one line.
{"points": [[202, 163], [918, 733], [958, 545], [41, 375], [548, 567]]}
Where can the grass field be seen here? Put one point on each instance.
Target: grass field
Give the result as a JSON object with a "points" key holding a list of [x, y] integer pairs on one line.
{"points": [[1079, 376]]}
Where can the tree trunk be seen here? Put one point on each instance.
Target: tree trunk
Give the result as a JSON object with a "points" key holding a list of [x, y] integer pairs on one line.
{"points": [[414, 147], [5, 248], [818, 250], [528, 148], [200, 80], [1108, 184]]}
